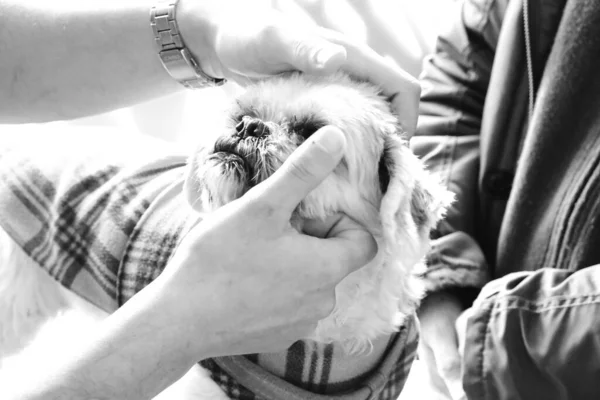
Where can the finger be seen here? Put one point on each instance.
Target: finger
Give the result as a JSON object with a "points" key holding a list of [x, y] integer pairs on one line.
{"points": [[242, 80], [438, 314], [306, 51], [303, 171], [461, 330], [320, 227], [448, 362], [433, 379], [350, 244], [364, 63], [347, 246]]}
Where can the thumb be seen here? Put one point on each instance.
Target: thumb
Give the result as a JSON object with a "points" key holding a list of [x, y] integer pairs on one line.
{"points": [[304, 169]]}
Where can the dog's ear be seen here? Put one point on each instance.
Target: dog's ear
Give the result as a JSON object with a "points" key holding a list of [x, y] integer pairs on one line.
{"points": [[397, 182], [412, 203], [399, 169]]}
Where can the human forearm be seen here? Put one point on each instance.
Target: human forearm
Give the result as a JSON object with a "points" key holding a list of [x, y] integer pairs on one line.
{"points": [[455, 260], [135, 354], [64, 59]]}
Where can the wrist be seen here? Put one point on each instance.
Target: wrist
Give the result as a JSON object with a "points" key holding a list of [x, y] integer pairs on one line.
{"points": [[187, 326], [198, 26], [174, 51]]}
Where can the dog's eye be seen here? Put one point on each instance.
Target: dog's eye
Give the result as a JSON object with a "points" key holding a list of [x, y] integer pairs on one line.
{"points": [[385, 166], [305, 126]]}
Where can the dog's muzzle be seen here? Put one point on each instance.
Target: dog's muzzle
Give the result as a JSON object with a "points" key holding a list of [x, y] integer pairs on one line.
{"points": [[243, 147], [245, 140], [252, 127]]}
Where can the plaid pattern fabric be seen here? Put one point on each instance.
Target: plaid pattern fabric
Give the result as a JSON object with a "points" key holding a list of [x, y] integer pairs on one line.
{"points": [[86, 217], [399, 373], [385, 383], [105, 219]]}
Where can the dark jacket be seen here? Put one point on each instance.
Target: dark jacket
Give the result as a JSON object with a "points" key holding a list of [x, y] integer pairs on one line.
{"points": [[510, 118]]}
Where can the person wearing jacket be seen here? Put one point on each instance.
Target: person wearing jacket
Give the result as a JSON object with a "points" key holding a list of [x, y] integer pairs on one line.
{"points": [[509, 118]]}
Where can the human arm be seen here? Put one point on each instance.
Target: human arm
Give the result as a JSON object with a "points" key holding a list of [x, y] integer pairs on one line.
{"points": [[64, 60], [455, 81], [182, 316]]}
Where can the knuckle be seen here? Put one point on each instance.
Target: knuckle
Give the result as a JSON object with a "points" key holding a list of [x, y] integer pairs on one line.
{"points": [[300, 171], [449, 368], [258, 204], [302, 53], [271, 31], [414, 87], [299, 47]]}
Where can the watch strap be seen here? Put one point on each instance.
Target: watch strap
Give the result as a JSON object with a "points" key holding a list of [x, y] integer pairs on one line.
{"points": [[175, 57]]}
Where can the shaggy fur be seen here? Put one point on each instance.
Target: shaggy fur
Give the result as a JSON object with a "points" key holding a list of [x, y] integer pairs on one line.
{"points": [[378, 183]]}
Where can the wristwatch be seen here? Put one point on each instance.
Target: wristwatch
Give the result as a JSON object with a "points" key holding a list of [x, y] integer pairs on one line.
{"points": [[173, 54]]}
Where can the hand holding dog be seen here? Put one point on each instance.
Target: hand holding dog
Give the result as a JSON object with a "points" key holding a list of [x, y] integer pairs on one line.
{"points": [[254, 279], [116, 65], [245, 41], [242, 281]]}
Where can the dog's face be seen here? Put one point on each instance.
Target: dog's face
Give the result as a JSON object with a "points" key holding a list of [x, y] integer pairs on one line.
{"points": [[378, 183], [270, 120]]}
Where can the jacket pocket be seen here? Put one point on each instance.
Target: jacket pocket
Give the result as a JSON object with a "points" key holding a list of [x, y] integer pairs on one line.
{"points": [[535, 335]]}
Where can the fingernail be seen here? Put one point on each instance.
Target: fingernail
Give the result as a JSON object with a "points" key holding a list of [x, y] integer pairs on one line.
{"points": [[325, 54], [331, 139]]}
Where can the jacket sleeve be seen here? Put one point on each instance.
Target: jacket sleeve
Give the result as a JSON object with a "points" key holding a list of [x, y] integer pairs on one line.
{"points": [[535, 335], [454, 84]]}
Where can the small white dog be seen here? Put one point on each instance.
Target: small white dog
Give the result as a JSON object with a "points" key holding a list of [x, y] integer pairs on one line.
{"points": [[380, 183]]}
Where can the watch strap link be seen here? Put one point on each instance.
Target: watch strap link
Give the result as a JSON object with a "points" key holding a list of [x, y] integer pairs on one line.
{"points": [[175, 57]]}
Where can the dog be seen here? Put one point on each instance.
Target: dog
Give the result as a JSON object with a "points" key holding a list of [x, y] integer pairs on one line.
{"points": [[379, 183]]}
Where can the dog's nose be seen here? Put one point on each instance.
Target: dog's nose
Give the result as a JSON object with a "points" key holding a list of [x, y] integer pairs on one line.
{"points": [[252, 127]]}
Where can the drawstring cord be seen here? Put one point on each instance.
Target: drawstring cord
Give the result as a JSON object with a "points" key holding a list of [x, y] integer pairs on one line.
{"points": [[529, 56]]}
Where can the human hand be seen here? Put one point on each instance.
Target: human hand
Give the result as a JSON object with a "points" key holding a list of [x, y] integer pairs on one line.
{"points": [[461, 330], [442, 338], [245, 41], [244, 281]]}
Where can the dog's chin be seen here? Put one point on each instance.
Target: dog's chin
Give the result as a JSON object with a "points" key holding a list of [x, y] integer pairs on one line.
{"points": [[222, 177], [247, 150], [229, 168]]}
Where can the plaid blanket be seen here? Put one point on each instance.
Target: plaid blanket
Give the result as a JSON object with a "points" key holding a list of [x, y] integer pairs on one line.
{"points": [[102, 214]]}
